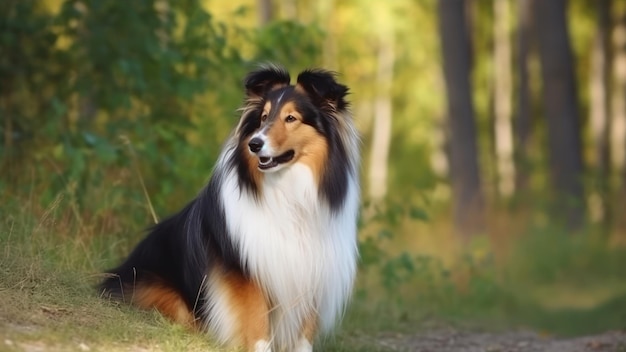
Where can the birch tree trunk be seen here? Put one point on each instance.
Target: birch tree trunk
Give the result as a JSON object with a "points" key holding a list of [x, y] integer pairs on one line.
{"points": [[464, 170], [326, 16], [523, 115], [618, 101], [381, 138], [289, 9], [600, 109], [618, 138], [502, 84], [265, 12]]}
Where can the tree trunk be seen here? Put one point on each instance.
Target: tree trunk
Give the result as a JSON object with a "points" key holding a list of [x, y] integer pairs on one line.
{"points": [[502, 85], [381, 138], [464, 170], [561, 109], [618, 150], [523, 115], [326, 15], [265, 11], [600, 114], [289, 9]]}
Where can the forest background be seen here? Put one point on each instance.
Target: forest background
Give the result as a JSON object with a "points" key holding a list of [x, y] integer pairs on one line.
{"points": [[494, 148]]}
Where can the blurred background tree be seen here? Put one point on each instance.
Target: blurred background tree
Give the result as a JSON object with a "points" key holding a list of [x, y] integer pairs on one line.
{"points": [[457, 68], [560, 99]]}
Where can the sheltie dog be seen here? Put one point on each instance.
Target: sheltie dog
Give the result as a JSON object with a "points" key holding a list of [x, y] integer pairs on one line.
{"points": [[265, 256]]}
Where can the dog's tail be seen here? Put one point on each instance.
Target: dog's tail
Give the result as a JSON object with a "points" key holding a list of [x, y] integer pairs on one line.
{"points": [[152, 275], [153, 294]]}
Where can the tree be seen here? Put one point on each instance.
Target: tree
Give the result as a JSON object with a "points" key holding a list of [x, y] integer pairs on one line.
{"points": [[381, 139], [600, 107], [561, 110], [618, 150], [265, 11], [502, 88], [464, 170], [28, 64], [77, 77], [523, 116]]}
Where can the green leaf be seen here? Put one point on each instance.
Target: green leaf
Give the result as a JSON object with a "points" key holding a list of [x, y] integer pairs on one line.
{"points": [[418, 214]]}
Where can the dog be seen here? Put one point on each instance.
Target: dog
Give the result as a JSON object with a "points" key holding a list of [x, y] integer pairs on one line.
{"points": [[265, 257]]}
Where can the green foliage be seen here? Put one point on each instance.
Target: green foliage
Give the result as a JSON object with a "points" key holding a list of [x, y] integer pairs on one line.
{"points": [[547, 278], [297, 45], [548, 254], [85, 85]]}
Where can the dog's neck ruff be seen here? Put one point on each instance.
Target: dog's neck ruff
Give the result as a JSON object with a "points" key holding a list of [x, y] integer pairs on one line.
{"points": [[302, 254]]}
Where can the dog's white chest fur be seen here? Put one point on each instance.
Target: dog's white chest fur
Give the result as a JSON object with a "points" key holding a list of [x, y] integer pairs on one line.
{"points": [[300, 253]]}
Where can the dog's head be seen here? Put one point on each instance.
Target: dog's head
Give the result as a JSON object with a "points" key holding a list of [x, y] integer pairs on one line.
{"points": [[283, 124]]}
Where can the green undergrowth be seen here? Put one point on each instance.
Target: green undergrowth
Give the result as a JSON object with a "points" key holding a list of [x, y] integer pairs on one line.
{"points": [[544, 279], [48, 298]]}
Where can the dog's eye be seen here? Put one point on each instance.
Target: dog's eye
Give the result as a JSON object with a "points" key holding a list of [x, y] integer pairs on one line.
{"points": [[264, 117], [290, 118]]}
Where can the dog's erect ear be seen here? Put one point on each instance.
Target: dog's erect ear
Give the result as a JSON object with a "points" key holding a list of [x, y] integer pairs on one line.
{"points": [[321, 86], [265, 79]]}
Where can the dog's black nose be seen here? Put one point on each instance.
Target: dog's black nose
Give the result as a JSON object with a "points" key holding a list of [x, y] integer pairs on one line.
{"points": [[255, 144]]}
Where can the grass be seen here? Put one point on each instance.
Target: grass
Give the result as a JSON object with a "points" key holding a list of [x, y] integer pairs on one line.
{"points": [[52, 254], [47, 288]]}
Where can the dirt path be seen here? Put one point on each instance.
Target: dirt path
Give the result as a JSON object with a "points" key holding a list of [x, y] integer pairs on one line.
{"points": [[433, 340], [450, 340]]}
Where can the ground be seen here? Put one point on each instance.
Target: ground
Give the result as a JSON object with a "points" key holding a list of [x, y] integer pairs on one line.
{"points": [[430, 340], [451, 340]]}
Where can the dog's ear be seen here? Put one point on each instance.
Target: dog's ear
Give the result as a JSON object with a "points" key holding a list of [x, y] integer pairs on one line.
{"points": [[265, 79], [321, 86]]}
